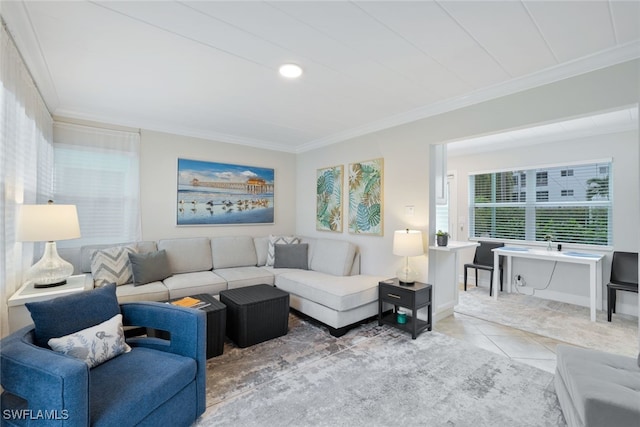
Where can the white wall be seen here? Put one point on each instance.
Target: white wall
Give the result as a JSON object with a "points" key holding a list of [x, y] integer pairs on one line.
{"points": [[159, 155], [406, 183], [406, 154], [570, 281]]}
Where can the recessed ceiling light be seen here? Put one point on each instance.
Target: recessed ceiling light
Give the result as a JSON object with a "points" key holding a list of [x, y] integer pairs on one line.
{"points": [[290, 71]]}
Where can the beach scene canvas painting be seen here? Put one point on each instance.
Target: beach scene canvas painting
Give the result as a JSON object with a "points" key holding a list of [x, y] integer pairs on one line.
{"points": [[211, 193]]}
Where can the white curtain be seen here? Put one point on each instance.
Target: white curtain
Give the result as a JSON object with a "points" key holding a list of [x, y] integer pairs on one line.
{"points": [[98, 171], [26, 164]]}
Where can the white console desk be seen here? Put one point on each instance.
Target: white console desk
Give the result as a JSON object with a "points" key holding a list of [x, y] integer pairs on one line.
{"points": [[594, 261]]}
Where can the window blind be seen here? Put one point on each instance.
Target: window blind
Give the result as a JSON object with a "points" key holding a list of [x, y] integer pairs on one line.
{"points": [[98, 171], [569, 204]]}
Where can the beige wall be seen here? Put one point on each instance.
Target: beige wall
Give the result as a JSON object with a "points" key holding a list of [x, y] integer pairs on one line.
{"points": [[405, 150], [159, 155]]}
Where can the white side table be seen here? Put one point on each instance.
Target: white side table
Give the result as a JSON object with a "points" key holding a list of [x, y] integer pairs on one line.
{"points": [[19, 315]]}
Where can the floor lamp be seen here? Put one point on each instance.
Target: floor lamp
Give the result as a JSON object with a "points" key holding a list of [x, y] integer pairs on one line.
{"points": [[48, 223]]}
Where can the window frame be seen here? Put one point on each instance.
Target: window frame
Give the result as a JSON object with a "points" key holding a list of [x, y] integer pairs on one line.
{"points": [[530, 231]]}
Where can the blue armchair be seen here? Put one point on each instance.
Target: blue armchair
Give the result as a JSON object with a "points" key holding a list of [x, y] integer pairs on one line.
{"points": [[159, 382]]}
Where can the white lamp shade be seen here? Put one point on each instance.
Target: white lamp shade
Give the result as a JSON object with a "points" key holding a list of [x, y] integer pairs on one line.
{"points": [[408, 243], [47, 223]]}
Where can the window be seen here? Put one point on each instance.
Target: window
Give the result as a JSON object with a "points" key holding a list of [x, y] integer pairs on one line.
{"points": [[542, 196], [574, 208], [542, 179], [97, 170]]}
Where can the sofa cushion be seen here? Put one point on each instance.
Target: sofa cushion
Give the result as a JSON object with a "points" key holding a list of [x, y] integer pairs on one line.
{"points": [[292, 256], [333, 257], [112, 265], [278, 240], [262, 247], [94, 345], [239, 277], [71, 313], [339, 293], [201, 282], [117, 385], [238, 251], [187, 255], [149, 267], [604, 387], [154, 291]]}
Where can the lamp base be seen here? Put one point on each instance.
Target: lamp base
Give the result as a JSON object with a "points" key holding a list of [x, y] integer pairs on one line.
{"points": [[401, 283], [49, 285], [51, 270]]}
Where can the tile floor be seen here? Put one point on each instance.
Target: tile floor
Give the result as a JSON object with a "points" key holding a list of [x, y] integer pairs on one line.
{"points": [[525, 347]]}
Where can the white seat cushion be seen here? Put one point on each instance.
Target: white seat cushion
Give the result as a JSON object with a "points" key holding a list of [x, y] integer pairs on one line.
{"points": [[340, 293], [201, 282], [239, 277]]}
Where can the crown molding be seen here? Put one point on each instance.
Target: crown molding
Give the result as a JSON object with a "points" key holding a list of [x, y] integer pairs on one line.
{"points": [[176, 130], [16, 13], [606, 58]]}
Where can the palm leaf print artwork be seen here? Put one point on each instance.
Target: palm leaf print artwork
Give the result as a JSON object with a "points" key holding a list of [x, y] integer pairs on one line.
{"points": [[365, 197], [329, 199]]}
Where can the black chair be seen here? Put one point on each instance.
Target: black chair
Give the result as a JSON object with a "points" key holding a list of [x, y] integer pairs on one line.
{"points": [[624, 277], [483, 260]]}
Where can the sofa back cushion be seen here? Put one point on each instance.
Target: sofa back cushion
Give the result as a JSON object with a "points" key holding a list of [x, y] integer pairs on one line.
{"points": [[237, 251], [187, 255], [262, 247], [333, 257]]}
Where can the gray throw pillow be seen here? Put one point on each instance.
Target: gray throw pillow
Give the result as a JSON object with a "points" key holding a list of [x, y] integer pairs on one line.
{"points": [[149, 267], [291, 256]]}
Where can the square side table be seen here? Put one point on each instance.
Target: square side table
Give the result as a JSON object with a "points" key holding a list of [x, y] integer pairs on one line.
{"points": [[414, 297]]}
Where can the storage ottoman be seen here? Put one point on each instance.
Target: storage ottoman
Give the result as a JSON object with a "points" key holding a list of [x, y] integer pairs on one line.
{"points": [[216, 324], [216, 313], [255, 314]]}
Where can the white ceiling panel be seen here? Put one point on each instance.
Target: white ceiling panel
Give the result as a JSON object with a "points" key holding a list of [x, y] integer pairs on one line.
{"points": [[512, 33], [574, 28], [209, 68]]}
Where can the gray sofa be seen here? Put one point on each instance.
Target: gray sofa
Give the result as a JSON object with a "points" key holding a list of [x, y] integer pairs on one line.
{"points": [[331, 291], [596, 389]]}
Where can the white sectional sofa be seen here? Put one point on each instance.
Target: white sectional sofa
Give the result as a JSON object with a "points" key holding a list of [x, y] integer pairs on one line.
{"points": [[331, 291]]}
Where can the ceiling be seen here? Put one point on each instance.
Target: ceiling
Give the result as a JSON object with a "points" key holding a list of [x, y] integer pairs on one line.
{"points": [[209, 68]]}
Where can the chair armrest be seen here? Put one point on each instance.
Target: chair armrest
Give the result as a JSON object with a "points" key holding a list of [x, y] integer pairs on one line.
{"points": [[187, 329], [185, 326], [47, 380]]}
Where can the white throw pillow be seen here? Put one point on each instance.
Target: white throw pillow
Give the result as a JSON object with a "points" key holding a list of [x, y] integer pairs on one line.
{"points": [[111, 265], [278, 240], [94, 345]]}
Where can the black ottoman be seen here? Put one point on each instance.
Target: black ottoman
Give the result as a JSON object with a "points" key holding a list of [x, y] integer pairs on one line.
{"points": [[216, 324], [216, 313], [255, 314]]}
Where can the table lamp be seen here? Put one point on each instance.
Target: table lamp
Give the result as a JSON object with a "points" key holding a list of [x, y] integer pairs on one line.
{"points": [[47, 223], [407, 243]]}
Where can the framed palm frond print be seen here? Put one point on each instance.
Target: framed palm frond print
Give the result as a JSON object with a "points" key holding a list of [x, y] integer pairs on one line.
{"points": [[329, 182], [365, 197]]}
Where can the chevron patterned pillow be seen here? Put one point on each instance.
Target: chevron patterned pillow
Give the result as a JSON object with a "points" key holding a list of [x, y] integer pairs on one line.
{"points": [[111, 265]]}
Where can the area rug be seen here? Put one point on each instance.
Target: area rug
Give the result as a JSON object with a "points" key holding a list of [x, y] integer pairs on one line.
{"points": [[564, 322], [374, 376]]}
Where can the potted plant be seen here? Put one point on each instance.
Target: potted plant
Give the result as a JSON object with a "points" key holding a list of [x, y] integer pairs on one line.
{"points": [[442, 238]]}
